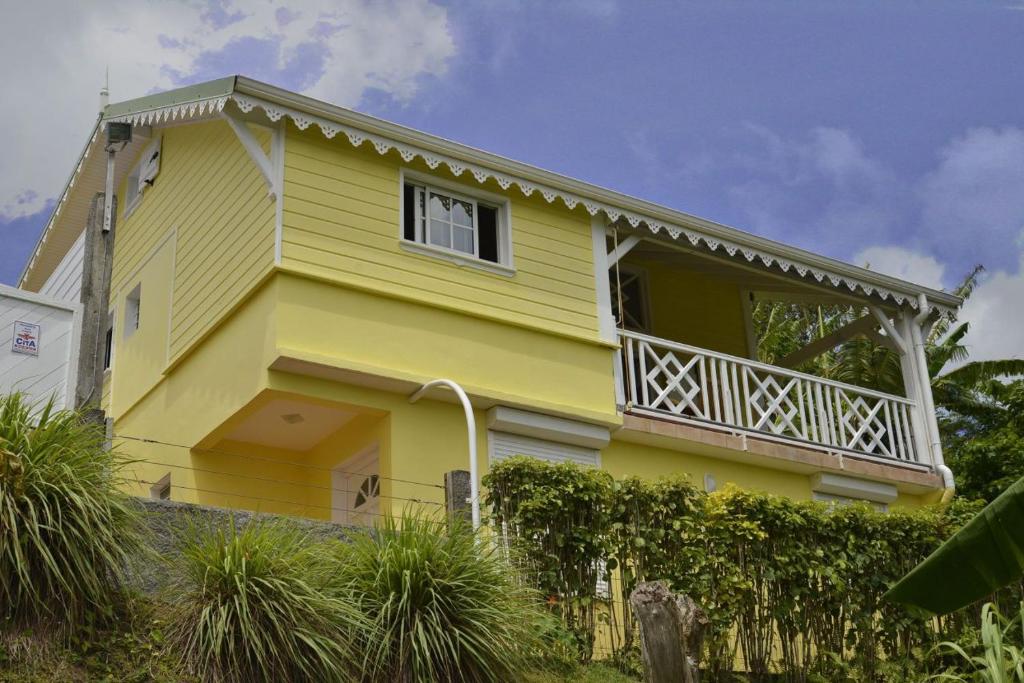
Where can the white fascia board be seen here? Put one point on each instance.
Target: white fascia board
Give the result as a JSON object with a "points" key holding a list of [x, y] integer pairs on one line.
{"points": [[848, 487], [540, 426]]}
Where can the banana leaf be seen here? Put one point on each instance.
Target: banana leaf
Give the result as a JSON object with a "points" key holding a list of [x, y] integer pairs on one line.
{"points": [[982, 557]]}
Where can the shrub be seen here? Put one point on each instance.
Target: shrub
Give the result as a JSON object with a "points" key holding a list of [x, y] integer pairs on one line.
{"points": [[66, 534], [448, 605], [784, 583], [260, 603]]}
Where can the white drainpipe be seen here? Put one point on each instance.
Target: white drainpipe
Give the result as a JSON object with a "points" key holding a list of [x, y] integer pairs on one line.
{"points": [[927, 401]]}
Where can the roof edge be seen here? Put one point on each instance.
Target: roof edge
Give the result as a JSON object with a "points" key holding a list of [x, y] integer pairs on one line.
{"points": [[439, 144], [233, 86]]}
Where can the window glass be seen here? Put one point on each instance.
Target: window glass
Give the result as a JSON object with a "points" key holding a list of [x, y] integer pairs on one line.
{"points": [[457, 223]]}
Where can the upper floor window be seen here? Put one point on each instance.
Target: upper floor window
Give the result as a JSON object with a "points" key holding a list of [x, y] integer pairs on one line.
{"points": [[141, 176], [464, 225]]}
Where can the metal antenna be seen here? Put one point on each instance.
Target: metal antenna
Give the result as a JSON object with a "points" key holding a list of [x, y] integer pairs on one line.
{"points": [[105, 91]]}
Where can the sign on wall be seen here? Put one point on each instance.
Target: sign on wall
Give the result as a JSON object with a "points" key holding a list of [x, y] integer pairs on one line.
{"points": [[26, 338]]}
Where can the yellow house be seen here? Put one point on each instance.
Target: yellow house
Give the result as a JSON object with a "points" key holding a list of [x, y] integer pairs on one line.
{"points": [[286, 273]]}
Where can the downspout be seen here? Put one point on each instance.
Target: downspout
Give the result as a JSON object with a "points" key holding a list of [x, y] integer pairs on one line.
{"points": [[927, 401]]}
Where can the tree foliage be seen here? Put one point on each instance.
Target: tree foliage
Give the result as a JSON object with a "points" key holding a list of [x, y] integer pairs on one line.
{"points": [[979, 402]]}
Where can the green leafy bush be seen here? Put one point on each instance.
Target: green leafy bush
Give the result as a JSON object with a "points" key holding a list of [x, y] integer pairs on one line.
{"points": [[263, 603], [448, 606], [784, 583], [67, 536]]}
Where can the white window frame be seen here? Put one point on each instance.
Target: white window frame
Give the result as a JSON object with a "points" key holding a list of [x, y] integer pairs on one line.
{"points": [[133, 197], [420, 245], [133, 311]]}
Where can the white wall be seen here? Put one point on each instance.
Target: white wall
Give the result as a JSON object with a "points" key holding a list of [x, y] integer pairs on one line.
{"points": [[54, 370], [65, 283]]}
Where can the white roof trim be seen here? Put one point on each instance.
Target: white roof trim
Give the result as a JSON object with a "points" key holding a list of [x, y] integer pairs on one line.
{"points": [[433, 159]]}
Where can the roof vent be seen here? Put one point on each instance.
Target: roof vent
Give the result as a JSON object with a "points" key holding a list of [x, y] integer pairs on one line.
{"points": [[118, 133]]}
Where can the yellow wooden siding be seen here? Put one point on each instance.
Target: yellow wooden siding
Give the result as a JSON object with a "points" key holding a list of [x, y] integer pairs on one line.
{"points": [[210, 192], [341, 222]]}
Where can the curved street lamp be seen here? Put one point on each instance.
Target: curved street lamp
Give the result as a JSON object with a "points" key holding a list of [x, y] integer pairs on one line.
{"points": [[471, 431]]}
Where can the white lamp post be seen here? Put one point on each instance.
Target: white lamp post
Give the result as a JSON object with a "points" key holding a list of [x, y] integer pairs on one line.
{"points": [[471, 431]]}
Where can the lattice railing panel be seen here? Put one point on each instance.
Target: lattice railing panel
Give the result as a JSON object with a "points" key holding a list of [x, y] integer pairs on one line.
{"points": [[688, 382]]}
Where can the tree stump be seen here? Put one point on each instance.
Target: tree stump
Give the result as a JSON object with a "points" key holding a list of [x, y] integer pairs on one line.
{"points": [[671, 633]]}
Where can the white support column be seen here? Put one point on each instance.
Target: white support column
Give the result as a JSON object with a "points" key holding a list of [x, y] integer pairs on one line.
{"points": [[277, 164], [912, 385], [918, 329], [602, 284]]}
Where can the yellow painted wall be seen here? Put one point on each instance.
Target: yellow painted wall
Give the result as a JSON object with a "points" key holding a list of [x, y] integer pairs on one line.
{"points": [[353, 328], [140, 355], [622, 458], [210, 194], [694, 308], [221, 376], [341, 221]]}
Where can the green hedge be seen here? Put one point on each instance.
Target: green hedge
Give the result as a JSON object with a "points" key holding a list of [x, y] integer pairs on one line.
{"points": [[791, 587]]}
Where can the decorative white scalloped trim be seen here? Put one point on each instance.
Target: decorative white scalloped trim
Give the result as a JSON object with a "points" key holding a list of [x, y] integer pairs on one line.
{"points": [[356, 138]]}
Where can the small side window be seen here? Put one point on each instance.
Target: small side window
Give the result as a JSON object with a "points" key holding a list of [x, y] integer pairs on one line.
{"points": [[132, 311], [108, 342], [161, 490]]}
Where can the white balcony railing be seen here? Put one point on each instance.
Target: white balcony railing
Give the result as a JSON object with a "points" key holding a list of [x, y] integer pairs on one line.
{"points": [[688, 383]]}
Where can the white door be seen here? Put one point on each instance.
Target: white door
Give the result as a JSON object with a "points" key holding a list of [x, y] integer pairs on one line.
{"points": [[355, 494]]}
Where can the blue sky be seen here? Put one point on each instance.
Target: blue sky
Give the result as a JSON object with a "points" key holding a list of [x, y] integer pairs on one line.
{"points": [[889, 133]]}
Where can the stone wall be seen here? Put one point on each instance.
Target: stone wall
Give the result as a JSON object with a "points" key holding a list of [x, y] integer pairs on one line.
{"points": [[166, 522]]}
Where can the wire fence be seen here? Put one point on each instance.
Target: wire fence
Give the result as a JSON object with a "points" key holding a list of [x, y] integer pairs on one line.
{"points": [[245, 485], [258, 458]]}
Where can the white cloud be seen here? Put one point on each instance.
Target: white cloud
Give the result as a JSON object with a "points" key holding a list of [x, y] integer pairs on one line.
{"points": [[996, 327], [56, 53], [973, 201], [994, 312], [903, 263]]}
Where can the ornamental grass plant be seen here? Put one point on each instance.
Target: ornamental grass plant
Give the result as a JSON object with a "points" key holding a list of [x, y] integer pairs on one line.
{"points": [[1001, 658], [447, 604], [67, 535], [262, 603]]}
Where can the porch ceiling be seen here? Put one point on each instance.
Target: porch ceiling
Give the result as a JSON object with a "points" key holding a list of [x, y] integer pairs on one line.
{"points": [[290, 424], [764, 282]]}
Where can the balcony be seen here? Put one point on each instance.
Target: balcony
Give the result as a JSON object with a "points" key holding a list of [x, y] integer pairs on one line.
{"points": [[666, 380]]}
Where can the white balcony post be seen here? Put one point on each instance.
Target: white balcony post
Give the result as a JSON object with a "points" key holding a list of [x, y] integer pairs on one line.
{"points": [[917, 331], [914, 391], [602, 285]]}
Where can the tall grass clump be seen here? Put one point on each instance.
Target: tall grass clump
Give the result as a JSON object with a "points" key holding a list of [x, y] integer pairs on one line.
{"points": [[260, 603], [447, 604], [67, 536], [1002, 657]]}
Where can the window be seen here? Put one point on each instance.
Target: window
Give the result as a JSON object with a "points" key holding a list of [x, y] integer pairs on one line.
{"points": [[161, 490], [504, 445], [108, 342], [141, 176], [836, 500], [455, 223], [132, 311]]}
